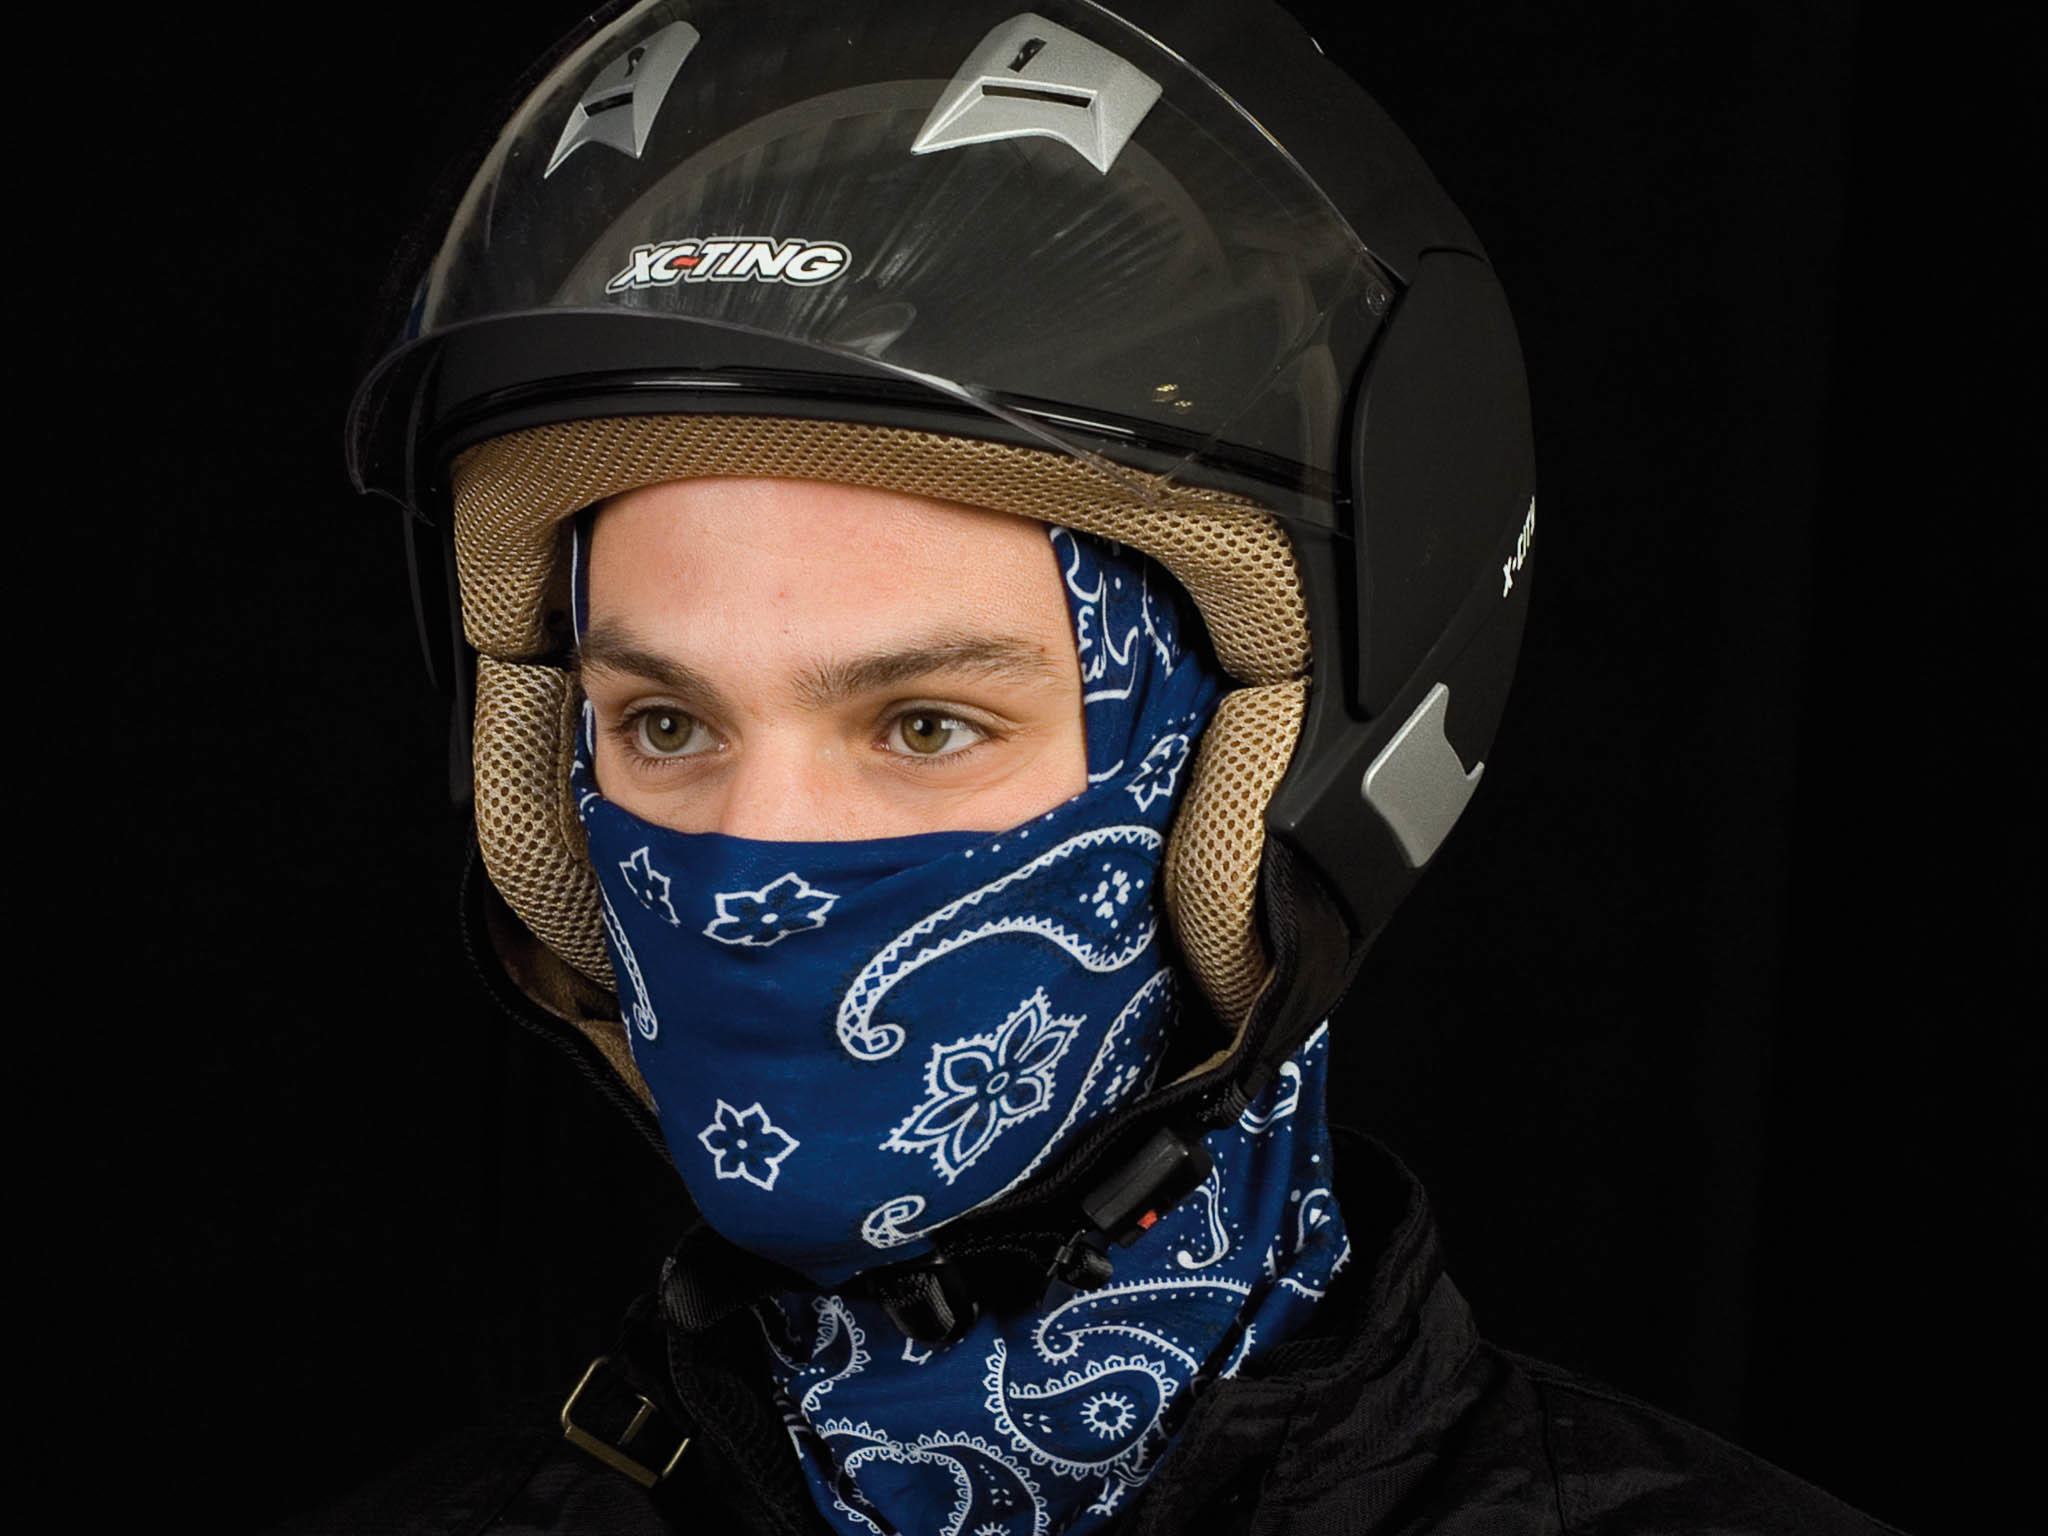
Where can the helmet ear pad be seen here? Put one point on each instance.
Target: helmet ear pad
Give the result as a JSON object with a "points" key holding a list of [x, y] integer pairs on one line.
{"points": [[515, 494]]}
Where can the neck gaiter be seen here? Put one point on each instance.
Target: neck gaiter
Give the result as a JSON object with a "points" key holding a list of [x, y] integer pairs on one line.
{"points": [[851, 1043]]}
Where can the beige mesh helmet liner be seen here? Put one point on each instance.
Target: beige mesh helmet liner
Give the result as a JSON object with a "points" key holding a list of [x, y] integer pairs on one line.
{"points": [[513, 494]]}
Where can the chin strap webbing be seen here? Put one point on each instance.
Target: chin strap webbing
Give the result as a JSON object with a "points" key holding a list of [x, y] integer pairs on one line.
{"points": [[682, 1388]]}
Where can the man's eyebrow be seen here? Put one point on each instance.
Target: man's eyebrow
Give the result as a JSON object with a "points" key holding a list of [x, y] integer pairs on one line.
{"points": [[988, 656], [614, 648], [610, 647]]}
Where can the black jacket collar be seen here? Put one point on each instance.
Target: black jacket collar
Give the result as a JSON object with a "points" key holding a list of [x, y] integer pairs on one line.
{"points": [[1368, 1392]]}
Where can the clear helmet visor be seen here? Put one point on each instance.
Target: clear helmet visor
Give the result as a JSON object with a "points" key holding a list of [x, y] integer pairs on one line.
{"points": [[1043, 213]]}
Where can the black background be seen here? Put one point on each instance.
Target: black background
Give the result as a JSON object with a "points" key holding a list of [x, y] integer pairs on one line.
{"points": [[1705, 1031]]}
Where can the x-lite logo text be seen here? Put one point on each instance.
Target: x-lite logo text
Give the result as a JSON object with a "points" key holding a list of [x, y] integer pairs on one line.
{"points": [[1513, 563], [732, 259]]}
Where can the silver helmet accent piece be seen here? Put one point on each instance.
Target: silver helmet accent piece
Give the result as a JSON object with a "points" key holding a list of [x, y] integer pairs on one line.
{"points": [[1418, 784], [620, 105], [1031, 79]]}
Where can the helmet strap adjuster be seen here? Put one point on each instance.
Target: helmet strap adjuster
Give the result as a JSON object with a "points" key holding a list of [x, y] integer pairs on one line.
{"points": [[1166, 1170], [931, 1304]]}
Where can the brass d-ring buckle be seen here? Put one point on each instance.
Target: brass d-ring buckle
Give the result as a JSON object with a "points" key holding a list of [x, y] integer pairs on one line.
{"points": [[614, 1455]]}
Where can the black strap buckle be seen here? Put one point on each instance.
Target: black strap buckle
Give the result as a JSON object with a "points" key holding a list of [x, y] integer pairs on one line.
{"points": [[1164, 1172], [613, 1400], [930, 1304], [1080, 1264]]}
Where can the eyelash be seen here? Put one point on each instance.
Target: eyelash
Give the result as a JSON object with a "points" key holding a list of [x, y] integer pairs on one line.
{"points": [[984, 735], [627, 732]]}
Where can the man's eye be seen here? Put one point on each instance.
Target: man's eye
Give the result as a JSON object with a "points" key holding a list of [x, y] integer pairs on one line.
{"points": [[928, 733], [670, 733]]}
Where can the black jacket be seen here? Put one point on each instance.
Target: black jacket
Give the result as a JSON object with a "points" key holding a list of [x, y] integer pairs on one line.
{"points": [[1394, 1416]]}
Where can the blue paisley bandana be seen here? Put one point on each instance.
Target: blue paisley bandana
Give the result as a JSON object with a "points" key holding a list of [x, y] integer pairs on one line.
{"points": [[1047, 1422], [850, 1044]]}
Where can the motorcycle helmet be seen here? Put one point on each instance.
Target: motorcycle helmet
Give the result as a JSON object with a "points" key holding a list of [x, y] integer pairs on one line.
{"points": [[1159, 272]]}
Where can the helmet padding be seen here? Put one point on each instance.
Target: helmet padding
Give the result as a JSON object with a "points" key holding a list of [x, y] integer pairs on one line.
{"points": [[513, 496]]}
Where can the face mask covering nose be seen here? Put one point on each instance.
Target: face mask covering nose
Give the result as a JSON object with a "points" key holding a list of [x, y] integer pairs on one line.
{"points": [[850, 1044]]}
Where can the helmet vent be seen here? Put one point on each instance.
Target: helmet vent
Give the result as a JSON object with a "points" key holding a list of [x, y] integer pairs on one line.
{"points": [[1036, 93], [1076, 91], [638, 78]]}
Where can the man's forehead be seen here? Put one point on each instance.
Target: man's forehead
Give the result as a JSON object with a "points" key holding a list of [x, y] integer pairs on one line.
{"points": [[840, 572], [816, 515]]}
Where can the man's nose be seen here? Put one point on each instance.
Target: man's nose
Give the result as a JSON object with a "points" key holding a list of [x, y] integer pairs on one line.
{"points": [[789, 792]]}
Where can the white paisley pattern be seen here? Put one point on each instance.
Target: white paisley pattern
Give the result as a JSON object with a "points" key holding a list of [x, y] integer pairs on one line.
{"points": [[1114, 611], [1159, 771], [887, 1226], [838, 1350], [771, 914], [745, 1144], [1010, 904], [1255, 1121], [1211, 1196], [650, 885], [979, 1087], [1079, 1399], [641, 1010], [991, 1493]]}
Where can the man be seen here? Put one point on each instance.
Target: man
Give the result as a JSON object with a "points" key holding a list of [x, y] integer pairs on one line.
{"points": [[831, 407], [958, 789]]}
